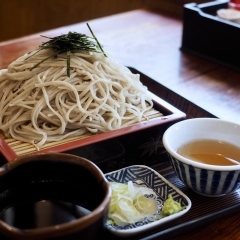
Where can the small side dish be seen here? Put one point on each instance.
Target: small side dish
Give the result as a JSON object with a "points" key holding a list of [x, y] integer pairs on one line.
{"points": [[158, 189]]}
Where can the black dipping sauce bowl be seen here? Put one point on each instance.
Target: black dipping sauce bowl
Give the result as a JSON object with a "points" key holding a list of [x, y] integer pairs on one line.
{"points": [[52, 196]]}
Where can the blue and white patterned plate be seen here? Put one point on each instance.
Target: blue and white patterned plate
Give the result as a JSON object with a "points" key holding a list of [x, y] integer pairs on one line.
{"points": [[146, 176]]}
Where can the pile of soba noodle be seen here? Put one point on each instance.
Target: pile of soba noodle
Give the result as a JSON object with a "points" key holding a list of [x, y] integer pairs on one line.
{"points": [[44, 104]]}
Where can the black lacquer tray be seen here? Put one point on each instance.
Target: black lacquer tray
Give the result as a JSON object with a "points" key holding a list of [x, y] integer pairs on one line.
{"points": [[117, 153], [204, 209]]}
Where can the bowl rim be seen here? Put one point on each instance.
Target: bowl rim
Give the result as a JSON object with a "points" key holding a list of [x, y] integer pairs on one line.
{"points": [[63, 228], [187, 161]]}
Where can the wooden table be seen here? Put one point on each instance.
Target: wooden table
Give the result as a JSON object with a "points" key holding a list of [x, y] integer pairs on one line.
{"points": [[150, 42]]}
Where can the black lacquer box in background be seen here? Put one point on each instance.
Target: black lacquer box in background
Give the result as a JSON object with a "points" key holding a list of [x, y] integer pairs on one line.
{"points": [[208, 36]]}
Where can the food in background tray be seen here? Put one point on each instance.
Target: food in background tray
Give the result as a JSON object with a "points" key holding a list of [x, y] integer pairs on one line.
{"points": [[232, 15]]}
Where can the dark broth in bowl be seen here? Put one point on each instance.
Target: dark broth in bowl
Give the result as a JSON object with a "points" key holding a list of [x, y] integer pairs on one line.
{"points": [[44, 213], [212, 152]]}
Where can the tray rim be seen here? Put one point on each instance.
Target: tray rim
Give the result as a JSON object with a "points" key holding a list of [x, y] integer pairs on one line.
{"points": [[191, 224]]}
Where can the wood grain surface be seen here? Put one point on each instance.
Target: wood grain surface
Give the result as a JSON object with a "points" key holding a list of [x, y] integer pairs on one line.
{"points": [[25, 17], [150, 42]]}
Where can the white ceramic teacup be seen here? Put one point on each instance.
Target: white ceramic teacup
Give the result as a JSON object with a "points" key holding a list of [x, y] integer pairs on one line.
{"points": [[205, 179]]}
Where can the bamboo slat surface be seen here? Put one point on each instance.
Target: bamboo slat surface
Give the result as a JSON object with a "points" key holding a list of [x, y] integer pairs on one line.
{"points": [[23, 148]]}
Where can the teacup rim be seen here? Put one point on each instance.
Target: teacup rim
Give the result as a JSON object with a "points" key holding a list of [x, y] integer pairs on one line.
{"points": [[192, 162]]}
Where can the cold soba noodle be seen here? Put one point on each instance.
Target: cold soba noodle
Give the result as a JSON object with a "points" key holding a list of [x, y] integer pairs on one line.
{"points": [[44, 104]]}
